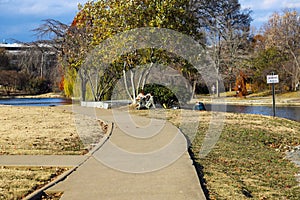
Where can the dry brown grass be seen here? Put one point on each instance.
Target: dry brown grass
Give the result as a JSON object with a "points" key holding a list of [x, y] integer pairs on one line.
{"points": [[17, 182], [248, 160], [38, 130]]}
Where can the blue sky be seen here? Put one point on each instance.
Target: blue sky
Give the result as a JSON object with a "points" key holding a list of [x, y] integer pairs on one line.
{"points": [[19, 17]]}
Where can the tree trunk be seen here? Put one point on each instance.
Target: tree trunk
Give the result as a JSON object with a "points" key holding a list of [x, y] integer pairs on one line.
{"points": [[147, 75], [83, 85], [92, 87], [193, 90], [217, 88], [125, 83], [42, 63], [133, 86]]}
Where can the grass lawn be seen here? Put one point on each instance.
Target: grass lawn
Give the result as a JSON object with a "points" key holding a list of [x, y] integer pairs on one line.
{"points": [[248, 161], [17, 182], [38, 131], [290, 95]]}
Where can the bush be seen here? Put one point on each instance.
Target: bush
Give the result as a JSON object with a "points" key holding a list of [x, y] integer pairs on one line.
{"points": [[39, 86], [162, 95], [202, 88]]}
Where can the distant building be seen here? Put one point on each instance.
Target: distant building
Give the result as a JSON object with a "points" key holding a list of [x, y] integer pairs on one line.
{"points": [[16, 48], [36, 57]]}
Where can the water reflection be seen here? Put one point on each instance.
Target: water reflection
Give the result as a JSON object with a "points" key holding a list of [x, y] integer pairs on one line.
{"points": [[35, 101], [290, 112]]}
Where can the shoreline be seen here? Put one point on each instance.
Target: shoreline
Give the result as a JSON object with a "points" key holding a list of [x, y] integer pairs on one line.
{"points": [[247, 101], [46, 95], [265, 101]]}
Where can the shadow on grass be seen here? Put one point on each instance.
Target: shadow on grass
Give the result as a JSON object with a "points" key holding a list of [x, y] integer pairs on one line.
{"points": [[199, 170], [198, 167]]}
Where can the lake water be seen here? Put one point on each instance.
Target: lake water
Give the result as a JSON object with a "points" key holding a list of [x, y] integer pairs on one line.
{"points": [[35, 101], [290, 112]]}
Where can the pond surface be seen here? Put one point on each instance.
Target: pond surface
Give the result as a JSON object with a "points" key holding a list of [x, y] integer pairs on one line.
{"points": [[289, 112], [35, 101]]}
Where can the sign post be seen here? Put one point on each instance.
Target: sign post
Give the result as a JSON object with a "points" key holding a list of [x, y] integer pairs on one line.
{"points": [[272, 79]]}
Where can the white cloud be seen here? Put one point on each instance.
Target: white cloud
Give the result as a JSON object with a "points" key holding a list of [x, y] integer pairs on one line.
{"points": [[40, 7], [20, 17], [292, 4], [246, 4], [270, 5], [263, 9], [24, 15], [264, 18], [267, 4]]}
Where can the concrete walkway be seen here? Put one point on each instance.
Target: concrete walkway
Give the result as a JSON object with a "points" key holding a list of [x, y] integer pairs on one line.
{"points": [[142, 159], [41, 160]]}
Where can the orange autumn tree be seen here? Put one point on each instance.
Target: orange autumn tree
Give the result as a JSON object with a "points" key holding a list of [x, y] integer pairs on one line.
{"points": [[240, 85]]}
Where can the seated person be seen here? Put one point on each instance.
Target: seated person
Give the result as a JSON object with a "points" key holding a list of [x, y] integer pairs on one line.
{"points": [[141, 98], [145, 101], [199, 106], [149, 101]]}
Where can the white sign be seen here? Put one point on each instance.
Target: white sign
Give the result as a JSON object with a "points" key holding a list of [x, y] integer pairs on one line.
{"points": [[272, 79]]}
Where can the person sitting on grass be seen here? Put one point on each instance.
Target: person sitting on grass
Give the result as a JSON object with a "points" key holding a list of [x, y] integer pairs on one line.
{"points": [[149, 101], [144, 101], [199, 106]]}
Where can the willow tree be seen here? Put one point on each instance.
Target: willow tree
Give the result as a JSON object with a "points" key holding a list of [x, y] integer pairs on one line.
{"points": [[97, 21]]}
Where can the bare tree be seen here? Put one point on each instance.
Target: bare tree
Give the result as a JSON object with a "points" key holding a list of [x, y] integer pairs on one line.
{"points": [[8, 80], [227, 28], [282, 31], [66, 42], [54, 31], [4, 59]]}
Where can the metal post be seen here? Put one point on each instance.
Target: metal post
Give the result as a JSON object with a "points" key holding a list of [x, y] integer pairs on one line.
{"points": [[272, 79], [273, 92]]}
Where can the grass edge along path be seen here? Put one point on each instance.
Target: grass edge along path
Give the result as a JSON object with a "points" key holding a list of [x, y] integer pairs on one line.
{"points": [[248, 161], [39, 131], [18, 182]]}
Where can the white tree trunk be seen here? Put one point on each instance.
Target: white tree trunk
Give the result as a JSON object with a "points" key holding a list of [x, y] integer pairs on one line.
{"points": [[133, 85], [92, 86], [147, 75], [132, 97]]}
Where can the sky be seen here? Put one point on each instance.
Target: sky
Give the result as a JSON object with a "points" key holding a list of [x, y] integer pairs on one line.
{"points": [[19, 17]]}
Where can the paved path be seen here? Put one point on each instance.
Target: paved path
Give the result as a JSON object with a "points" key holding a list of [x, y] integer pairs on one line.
{"points": [[142, 159], [47, 160]]}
